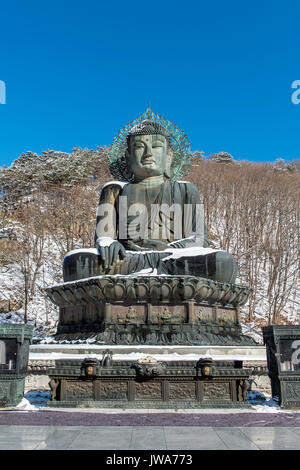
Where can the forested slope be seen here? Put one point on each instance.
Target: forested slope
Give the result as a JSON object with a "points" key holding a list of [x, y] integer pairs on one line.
{"points": [[48, 207]]}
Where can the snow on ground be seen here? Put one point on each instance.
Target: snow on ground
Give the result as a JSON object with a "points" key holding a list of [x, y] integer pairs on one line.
{"points": [[133, 356], [24, 405]]}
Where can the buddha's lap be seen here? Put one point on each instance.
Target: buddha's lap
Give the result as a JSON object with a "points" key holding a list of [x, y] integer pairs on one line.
{"points": [[217, 265]]}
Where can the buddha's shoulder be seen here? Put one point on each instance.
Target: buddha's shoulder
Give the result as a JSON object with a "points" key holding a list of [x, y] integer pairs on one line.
{"points": [[111, 190], [114, 186]]}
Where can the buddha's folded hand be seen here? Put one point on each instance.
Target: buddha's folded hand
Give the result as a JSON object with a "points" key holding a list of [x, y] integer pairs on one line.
{"points": [[110, 252]]}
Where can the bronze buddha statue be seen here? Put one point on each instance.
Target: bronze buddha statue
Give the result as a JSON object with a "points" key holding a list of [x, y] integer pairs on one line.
{"points": [[150, 224]]}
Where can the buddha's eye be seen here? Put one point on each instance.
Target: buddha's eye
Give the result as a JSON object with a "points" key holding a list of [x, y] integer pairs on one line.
{"points": [[157, 144]]}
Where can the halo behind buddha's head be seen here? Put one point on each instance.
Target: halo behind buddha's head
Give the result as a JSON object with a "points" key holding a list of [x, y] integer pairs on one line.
{"points": [[149, 123]]}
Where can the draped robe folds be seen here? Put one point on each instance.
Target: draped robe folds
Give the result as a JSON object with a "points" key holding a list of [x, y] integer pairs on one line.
{"points": [[134, 213]]}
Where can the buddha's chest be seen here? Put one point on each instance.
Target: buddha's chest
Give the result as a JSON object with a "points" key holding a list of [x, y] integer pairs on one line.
{"points": [[144, 196], [148, 211]]}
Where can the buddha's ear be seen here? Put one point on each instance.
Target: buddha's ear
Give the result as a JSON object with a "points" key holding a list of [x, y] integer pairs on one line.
{"points": [[127, 160], [128, 173], [169, 163]]}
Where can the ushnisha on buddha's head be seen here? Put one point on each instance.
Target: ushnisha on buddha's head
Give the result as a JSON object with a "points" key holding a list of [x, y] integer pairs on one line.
{"points": [[149, 152]]}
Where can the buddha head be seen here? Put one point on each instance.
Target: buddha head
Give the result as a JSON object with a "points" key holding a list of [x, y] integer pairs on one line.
{"points": [[149, 152]]}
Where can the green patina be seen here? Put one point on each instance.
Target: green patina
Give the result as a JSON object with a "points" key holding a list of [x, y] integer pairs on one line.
{"points": [[182, 152]]}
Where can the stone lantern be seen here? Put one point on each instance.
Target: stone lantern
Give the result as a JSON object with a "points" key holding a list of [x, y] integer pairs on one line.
{"points": [[14, 351], [283, 357]]}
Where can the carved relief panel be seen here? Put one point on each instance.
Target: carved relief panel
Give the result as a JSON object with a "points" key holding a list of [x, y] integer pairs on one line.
{"points": [[113, 390], [78, 390], [216, 391], [148, 390], [134, 313], [182, 391], [203, 313], [225, 314], [167, 313]]}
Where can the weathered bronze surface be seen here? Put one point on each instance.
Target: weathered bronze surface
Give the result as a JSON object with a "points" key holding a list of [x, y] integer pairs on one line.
{"points": [[283, 356], [151, 278], [164, 384], [14, 351], [142, 221], [144, 289], [147, 368], [150, 310]]}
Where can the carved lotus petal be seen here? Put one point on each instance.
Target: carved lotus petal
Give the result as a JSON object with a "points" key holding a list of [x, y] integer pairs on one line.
{"points": [[84, 293], [242, 297], [166, 291], [202, 292], [155, 289], [214, 295], [95, 292], [189, 291], [226, 292], [141, 290], [232, 297], [119, 291], [108, 290], [130, 291], [56, 297], [152, 288], [68, 294]]}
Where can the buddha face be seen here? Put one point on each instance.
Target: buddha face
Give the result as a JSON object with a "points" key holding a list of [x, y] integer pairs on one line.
{"points": [[148, 155]]}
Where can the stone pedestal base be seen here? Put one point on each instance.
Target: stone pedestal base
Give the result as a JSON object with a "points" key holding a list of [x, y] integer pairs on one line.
{"points": [[150, 310], [163, 385]]}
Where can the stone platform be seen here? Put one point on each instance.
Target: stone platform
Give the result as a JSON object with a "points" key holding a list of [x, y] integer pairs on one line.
{"points": [[43, 358], [148, 383], [148, 309]]}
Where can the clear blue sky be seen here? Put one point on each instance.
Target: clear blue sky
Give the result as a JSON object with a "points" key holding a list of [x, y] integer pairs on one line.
{"points": [[76, 72]]}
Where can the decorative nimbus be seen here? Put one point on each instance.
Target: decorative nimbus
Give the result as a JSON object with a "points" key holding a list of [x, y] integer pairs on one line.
{"points": [[179, 142]]}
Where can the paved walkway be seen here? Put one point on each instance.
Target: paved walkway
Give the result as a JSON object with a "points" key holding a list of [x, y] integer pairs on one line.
{"points": [[17, 437], [191, 418], [93, 429]]}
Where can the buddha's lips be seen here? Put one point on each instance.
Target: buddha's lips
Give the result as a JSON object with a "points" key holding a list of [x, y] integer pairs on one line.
{"points": [[148, 160]]}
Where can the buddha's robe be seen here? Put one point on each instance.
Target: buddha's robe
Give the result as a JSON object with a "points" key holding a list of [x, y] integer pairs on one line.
{"points": [[135, 214]]}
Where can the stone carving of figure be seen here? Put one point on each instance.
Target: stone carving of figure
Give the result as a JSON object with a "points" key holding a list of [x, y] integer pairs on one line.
{"points": [[150, 224], [54, 383], [2, 353], [242, 390]]}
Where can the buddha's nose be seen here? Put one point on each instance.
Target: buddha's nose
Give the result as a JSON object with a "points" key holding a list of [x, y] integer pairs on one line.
{"points": [[148, 150]]}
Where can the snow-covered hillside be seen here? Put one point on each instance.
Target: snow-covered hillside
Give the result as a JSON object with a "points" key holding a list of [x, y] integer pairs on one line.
{"points": [[251, 211]]}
